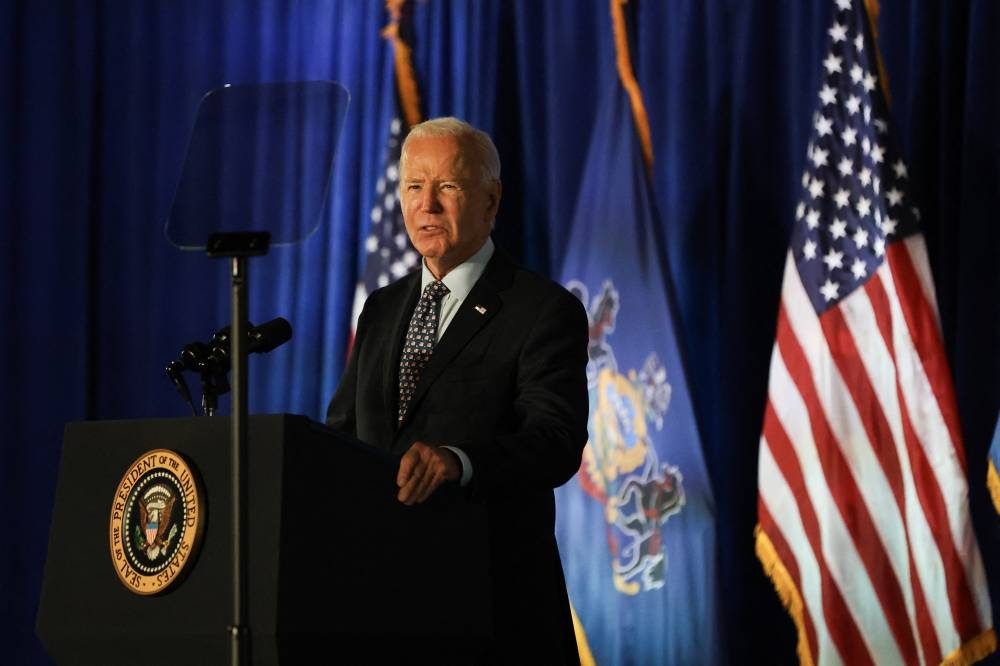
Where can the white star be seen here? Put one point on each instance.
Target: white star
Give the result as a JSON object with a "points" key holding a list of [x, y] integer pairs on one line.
{"points": [[398, 269], [870, 82], [868, 114], [878, 217], [857, 73], [859, 42], [876, 183], [879, 246], [833, 259], [866, 145], [809, 251], [829, 290], [889, 226], [881, 126], [805, 174], [819, 156], [400, 239], [842, 197], [860, 238], [900, 169], [800, 210], [850, 136], [838, 229], [864, 207], [845, 167], [877, 153], [828, 95], [859, 269], [832, 64], [853, 104], [844, 5], [865, 176], [824, 125], [838, 32], [812, 218], [916, 213], [371, 243], [894, 196], [816, 188]]}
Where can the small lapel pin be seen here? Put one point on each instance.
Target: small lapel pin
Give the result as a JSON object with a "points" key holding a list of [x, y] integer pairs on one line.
{"points": [[480, 309]]}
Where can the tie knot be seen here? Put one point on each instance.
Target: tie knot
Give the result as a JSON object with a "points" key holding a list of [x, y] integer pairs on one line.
{"points": [[435, 290]]}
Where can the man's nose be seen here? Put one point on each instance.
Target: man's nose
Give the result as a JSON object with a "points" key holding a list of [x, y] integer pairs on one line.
{"points": [[429, 201]]}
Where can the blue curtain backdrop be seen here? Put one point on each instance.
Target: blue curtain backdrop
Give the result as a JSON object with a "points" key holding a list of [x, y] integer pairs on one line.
{"points": [[98, 99]]}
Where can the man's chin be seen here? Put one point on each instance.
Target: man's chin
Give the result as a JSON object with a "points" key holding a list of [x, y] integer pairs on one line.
{"points": [[431, 248]]}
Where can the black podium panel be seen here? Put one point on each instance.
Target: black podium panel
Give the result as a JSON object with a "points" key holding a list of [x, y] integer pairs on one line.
{"points": [[337, 567]]}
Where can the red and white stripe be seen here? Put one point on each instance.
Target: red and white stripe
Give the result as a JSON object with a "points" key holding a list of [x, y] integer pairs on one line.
{"points": [[862, 478]]}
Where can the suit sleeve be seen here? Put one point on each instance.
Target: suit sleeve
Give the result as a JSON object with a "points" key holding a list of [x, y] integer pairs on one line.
{"points": [[550, 406], [341, 413]]}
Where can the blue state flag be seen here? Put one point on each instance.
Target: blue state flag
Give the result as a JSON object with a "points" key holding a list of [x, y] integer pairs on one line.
{"points": [[636, 525], [992, 476]]}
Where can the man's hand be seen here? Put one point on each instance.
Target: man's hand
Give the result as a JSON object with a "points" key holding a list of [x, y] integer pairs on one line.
{"points": [[422, 469]]}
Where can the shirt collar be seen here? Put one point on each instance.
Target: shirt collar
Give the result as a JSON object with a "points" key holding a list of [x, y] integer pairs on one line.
{"points": [[461, 279]]}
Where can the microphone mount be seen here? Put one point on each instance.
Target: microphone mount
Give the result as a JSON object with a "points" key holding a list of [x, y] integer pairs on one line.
{"points": [[213, 360]]}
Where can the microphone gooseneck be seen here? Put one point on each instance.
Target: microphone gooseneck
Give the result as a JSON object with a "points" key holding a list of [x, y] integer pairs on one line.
{"points": [[212, 360]]}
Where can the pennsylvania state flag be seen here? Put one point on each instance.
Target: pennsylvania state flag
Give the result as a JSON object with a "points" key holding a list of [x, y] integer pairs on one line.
{"points": [[636, 525], [994, 465]]}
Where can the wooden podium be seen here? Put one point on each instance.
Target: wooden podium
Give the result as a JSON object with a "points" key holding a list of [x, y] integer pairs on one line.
{"points": [[338, 570]]}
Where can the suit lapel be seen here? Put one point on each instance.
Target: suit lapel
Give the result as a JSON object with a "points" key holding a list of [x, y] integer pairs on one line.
{"points": [[402, 311], [478, 308]]}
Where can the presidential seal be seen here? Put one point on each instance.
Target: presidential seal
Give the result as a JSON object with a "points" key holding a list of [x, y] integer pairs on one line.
{"points": [[157, 519]]}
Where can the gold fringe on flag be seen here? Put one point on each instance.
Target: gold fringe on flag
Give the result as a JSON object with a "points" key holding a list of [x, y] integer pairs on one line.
{"points": [[787, 592], [406, 80], [582, 646], [627, 75], [971, 652]]}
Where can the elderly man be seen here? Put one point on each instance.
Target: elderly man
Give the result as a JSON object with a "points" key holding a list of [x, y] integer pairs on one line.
{"points": [[474, 369]]}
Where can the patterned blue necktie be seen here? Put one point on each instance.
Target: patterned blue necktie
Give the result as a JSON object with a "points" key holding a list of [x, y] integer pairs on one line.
{"points": [[420, 340]]}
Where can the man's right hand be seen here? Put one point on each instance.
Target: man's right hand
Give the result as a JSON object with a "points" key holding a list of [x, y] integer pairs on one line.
{"points": [[422, 469]]}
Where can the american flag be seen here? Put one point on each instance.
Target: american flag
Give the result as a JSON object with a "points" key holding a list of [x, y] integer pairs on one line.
{"points": [[388, 252], [863, 514]]}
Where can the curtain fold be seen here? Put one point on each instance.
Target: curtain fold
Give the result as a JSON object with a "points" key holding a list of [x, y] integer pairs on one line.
{"points": [[99, 99]]}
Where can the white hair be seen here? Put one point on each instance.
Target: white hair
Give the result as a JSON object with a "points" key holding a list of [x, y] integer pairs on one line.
{"points": [[482, 145]]}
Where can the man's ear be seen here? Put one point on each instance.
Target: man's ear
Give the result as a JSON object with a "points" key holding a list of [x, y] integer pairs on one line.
{"points": [[494, 199]]}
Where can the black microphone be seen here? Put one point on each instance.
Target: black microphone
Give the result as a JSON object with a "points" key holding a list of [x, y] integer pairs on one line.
{"points": [[269, 335], [212, 360], [174, 370], [260, 339]]}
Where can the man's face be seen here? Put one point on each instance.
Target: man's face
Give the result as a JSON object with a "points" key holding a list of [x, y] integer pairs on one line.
{"points": [[447, 207]]}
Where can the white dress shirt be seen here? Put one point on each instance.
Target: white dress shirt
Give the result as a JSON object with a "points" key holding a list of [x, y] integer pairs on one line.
{"points": [[459, 281]]}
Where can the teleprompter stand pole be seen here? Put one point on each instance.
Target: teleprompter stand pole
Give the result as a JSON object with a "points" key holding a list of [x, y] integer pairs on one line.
{"points": [[238, 247]]}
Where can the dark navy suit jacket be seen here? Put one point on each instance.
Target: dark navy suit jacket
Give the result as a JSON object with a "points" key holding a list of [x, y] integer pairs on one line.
{"points": [[506, 384]]}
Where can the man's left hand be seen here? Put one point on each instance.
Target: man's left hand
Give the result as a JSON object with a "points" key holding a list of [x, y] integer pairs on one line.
{"points": [[422, 469]]}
